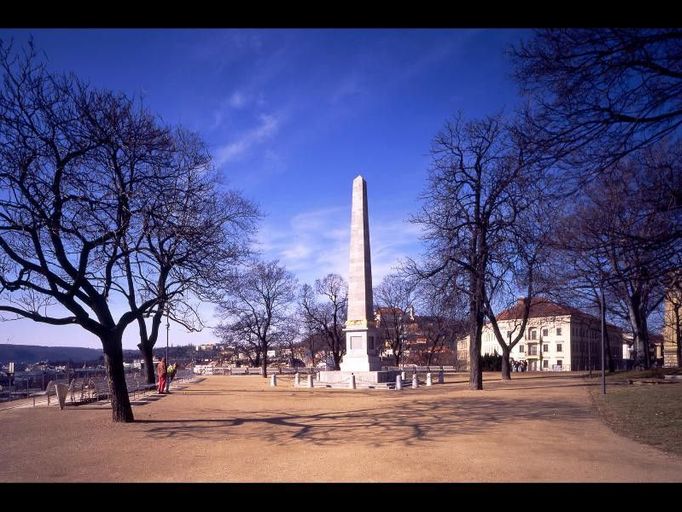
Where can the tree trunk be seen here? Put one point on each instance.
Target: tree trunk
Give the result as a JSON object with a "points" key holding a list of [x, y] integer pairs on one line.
{"points": [[639, 328], [264, 365], [644, 333], [475, 329], [506, 366], [121, 410], [148, 354], [609, 356], [429, 358]]}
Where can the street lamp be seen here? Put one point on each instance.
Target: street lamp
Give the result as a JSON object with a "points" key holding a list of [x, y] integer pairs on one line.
{"points": [[167, 330], [603, 332]]}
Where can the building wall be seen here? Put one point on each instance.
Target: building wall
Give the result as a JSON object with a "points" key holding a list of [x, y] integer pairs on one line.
{"points": [[550, 333], [670, 359], [557, 343]]}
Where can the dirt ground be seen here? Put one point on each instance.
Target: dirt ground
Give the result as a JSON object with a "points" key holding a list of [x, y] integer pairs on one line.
{"points": [[536, 428]]}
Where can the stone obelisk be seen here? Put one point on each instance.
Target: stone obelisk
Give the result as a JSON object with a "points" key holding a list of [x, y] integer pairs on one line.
{"points": [[361, 336]]}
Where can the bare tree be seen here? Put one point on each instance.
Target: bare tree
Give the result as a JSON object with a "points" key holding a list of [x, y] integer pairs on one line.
{"points": [[326, 319], [519, 267], [395, 304], [256, 304], [311, 344], [600, 94], [620, 242], [477, 190], [195, 234], [440, 322], [78, 169]]}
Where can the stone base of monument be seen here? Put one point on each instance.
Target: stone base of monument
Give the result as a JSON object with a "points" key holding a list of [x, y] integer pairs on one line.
{"points": [[382, 379]]}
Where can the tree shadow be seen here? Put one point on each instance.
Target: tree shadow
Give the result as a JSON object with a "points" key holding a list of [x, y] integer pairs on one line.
{"points": [[404, 422]]}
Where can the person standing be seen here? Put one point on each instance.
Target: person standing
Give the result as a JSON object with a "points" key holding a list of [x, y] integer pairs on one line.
{"points": [[161, 370], [170, 375]]}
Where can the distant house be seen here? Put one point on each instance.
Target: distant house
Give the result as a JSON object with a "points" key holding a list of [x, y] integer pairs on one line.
{"points": [[418, 332], [556, 338]]}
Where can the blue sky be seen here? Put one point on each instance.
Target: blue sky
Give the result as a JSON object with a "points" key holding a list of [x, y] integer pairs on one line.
{"points": [[291, 117]]}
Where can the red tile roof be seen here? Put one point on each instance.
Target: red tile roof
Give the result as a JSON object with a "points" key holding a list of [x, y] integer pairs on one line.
{"points": [[541, 307]]}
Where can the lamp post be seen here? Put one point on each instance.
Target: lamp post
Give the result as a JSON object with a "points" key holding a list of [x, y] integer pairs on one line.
{"points": [[167, 331], [603, 332]]}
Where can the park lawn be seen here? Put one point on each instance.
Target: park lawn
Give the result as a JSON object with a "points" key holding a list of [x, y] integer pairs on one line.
{"points": [[648, 413]]}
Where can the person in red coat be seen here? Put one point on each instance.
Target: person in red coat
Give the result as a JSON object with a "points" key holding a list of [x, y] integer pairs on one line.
{"points": [[161, 371]]}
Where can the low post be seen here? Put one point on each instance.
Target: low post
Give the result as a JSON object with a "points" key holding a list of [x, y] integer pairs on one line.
{"points": [[352, 381], [310, 380], [273, 380], [297, 379], [441, 377], [429, 382], [402, 375], [398, 382], [415, 382]]}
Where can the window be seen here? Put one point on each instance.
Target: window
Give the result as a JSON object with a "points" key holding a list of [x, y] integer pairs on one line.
{"points": [[558, 331], [559, 348], [545, 332], [533, 334], [559, 362], [545, 347], [532, 350], [521, 348], [545, 364]]}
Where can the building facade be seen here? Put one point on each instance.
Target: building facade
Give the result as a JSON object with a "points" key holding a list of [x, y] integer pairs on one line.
{"points": [[556, 338], [672, 330]]}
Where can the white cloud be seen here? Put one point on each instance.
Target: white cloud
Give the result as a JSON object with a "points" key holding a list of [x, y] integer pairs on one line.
{"points": [[268, 126], [237, 100], [314, 243]]}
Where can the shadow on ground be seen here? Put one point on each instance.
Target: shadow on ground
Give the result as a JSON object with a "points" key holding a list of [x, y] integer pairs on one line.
{"points": [[407, 422]]}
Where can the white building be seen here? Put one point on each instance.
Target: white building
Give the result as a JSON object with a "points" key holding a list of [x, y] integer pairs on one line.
{"points": [[556, 337]]}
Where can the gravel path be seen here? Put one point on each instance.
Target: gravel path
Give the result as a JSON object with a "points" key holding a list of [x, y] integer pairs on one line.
{"points": [[536, 428]]}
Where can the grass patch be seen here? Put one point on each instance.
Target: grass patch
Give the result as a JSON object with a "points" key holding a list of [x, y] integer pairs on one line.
{"points": [[648, 413]]}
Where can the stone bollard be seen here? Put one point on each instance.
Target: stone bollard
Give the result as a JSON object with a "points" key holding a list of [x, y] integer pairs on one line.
{"points": [[398, 382], [352, 381], [297, 379], [310, 380], [429, 382], [441, 377], [402, 375], [415, 382], [273, 380]]}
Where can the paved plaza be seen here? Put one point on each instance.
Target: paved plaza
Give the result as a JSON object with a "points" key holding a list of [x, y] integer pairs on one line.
{"points": [[536, 428]]}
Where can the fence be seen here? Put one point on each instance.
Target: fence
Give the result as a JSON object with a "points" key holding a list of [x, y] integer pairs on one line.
{"points": [[248, 370]]}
